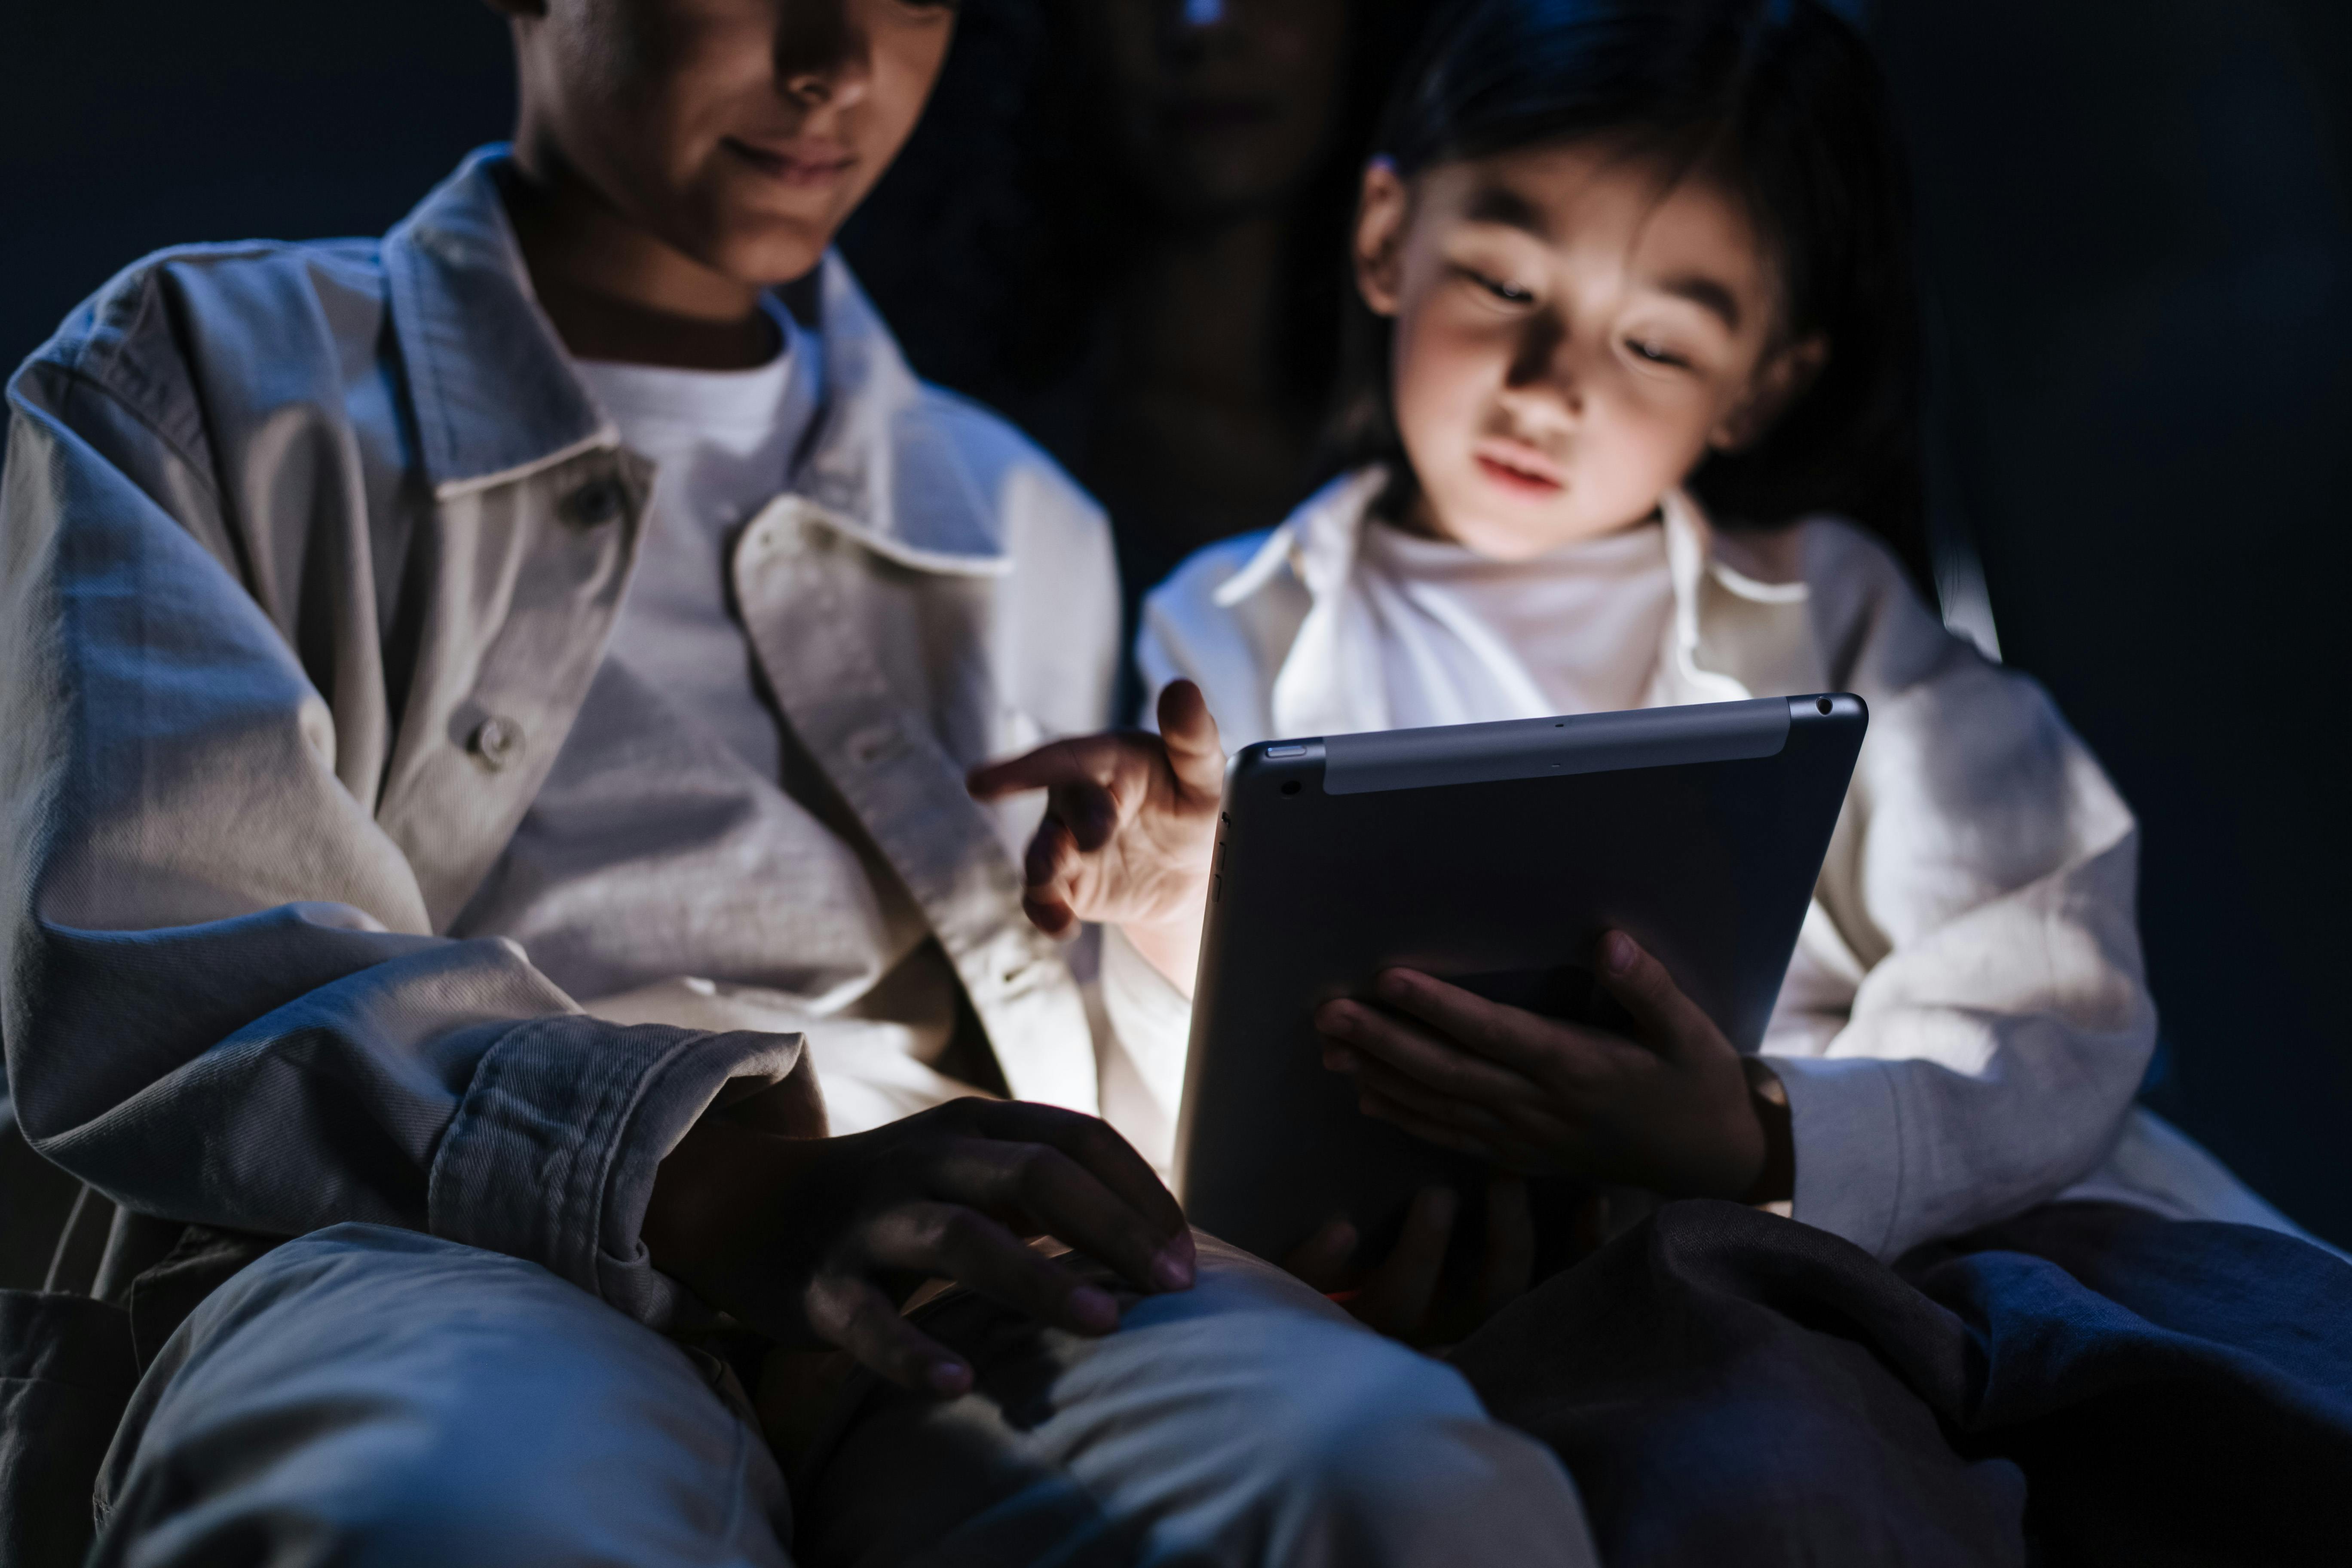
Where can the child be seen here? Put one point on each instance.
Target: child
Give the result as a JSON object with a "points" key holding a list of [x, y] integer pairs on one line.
{"points": [[485, 711], [1613, 259]]}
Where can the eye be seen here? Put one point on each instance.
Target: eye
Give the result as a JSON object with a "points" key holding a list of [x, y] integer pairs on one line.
{"points": [[1654, 353], [1509, 293]]}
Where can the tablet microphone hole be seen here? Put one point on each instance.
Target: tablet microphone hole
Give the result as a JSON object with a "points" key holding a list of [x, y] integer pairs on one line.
{"points": [[1290, 788], [1823, 704]]}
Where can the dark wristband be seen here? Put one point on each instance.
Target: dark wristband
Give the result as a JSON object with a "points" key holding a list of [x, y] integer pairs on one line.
{"points": [[1777, 1182]]}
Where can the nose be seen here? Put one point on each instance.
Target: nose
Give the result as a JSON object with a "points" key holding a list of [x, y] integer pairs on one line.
{"points": [[1543, 371], [823, 56]]}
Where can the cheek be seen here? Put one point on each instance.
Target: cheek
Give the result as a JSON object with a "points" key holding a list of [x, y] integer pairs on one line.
{"points": [[1666, 423], [1444, 376], [907, 64]]}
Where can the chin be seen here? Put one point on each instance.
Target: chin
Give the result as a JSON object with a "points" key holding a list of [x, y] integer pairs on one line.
{"points": [[767, 254], [1507, 543]]}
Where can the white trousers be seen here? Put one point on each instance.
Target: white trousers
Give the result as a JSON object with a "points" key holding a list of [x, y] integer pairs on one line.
{"points": [[367, 1395]]}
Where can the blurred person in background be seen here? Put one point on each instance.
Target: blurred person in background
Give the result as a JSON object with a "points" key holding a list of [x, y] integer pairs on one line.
{"points": [[1119, 229]]}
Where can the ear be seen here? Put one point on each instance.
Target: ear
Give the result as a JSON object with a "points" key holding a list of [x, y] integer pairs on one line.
{"points": [[1380, 215], [1780, 381]]}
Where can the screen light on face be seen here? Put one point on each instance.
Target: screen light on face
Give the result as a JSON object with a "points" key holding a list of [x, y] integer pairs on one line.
{"points": [[1203, 13]]}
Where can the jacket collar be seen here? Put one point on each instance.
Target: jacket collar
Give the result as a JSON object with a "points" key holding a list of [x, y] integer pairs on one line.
{"points": [[496, 399], [1317, 545]]}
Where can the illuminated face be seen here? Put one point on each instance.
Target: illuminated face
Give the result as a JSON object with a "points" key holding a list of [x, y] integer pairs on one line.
{"points": [[740, 133], [1219, 105], [1572, 336]]}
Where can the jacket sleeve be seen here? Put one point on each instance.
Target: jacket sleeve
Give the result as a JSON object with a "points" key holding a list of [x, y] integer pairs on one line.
{"points": [[222, 1000], [1979, 891]]}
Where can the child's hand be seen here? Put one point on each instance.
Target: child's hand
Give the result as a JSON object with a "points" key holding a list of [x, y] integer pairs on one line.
{"points": [[1130, 825], [1401, 1297], [1672, 1113]]}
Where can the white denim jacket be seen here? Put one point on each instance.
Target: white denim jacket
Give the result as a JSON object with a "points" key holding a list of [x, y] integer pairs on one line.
{"points": [[1965, 1022], [310, 553]]}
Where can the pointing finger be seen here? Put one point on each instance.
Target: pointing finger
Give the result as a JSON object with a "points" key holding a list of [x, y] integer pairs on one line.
{"points": [[1082, 759]]}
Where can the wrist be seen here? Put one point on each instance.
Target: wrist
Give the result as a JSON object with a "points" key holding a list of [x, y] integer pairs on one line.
{"points": [[713, 1190]]}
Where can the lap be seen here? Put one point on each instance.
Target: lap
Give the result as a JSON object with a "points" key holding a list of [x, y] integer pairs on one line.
{"points": [[1731, 1388], [1246, 1420], [373, 1396]]}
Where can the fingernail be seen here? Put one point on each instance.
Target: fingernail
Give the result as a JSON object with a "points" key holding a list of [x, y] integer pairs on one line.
{"points": [[1093, 1310], [1171, 1268], [1393, 985], [1617, 952], [949, 1378]]}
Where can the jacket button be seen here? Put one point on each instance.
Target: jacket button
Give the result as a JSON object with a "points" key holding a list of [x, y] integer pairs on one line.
{"points": [[496, 741], [594, 504]]}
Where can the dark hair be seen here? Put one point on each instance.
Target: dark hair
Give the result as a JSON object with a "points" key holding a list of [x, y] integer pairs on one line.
{"points": [[1780, 103]]}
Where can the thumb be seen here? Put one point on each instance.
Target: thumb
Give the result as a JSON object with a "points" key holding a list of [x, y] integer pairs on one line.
{"points": [[1190, 733], [1672, 1023]]}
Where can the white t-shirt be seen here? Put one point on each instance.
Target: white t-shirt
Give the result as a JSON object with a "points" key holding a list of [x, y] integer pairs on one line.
{"points": [[724, 441], [1464, 639], [872, 990]]}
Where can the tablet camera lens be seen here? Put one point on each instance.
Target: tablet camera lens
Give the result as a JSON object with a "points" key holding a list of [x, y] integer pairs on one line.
{"points": [[1290, 788], [1823, 704]]}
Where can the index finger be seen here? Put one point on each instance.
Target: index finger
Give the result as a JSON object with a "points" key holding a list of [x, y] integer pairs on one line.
{"points": [[1111, 1160], [1076, 760]]}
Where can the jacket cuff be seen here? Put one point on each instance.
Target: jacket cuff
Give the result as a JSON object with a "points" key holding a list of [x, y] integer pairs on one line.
{"points": [[552, 1152], [1846, 1128]]}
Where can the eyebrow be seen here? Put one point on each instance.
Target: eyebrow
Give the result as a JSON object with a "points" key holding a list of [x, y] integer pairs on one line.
{"points": [[1501, 204], [1497, 204], [1706, 294]]}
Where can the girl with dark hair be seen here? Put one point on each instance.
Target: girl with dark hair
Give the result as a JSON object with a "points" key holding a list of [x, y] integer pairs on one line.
{"points": [[1627, 425], [1630, 425]]}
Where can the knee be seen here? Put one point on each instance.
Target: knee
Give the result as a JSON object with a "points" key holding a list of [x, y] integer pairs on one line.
{"points": [[367, 1395]]}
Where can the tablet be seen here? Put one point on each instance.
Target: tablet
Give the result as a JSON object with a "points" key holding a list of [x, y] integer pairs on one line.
{"points": [[1493, 856]]}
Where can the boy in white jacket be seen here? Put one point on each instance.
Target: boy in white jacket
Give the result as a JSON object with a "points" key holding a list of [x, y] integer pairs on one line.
{"points": [[486, 715]]}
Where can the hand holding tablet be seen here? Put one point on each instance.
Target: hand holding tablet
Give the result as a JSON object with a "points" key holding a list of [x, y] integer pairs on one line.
{"points": [[1545, 946], [1667, 1108]]}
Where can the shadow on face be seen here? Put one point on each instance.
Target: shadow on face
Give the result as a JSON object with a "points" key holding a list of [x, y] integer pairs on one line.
{"points": [[739, 132], [1219, 106]]}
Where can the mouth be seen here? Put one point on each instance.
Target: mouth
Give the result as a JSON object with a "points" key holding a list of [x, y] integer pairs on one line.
{"points": [[1522, 470], [803, 164]]}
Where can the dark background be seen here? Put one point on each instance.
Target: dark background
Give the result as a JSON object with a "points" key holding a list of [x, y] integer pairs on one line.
{"points": [[2138, 251]]}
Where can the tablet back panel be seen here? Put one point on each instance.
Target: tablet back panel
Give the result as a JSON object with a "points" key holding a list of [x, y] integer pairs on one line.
{"points": [[1493, 855]]}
